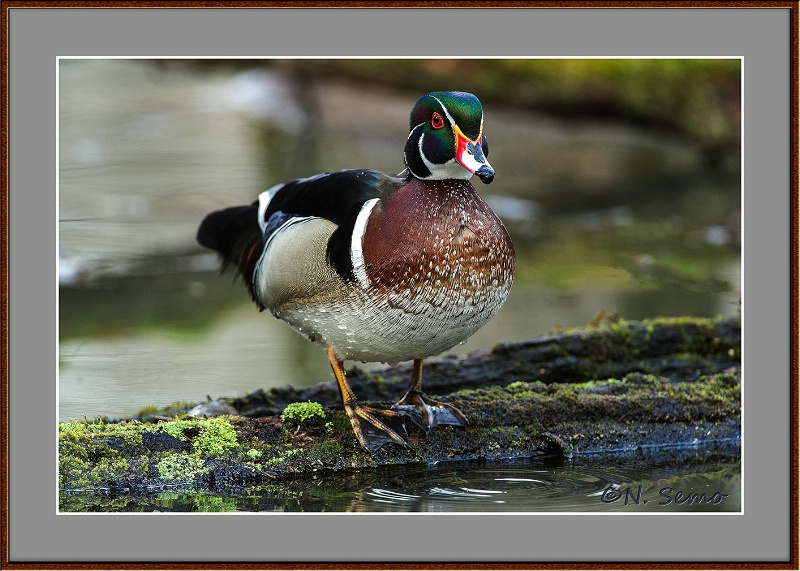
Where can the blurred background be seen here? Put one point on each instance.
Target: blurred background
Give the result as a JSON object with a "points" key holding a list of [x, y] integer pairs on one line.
{"points": [[618, 180]]}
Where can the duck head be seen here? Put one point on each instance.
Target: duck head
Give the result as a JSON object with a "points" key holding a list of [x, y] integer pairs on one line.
{"points": [[446, 139]]}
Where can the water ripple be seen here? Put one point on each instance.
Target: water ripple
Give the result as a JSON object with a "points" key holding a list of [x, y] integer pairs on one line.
{"points": [[389, 495], [524, 486], [464, 493], [528, 486]]}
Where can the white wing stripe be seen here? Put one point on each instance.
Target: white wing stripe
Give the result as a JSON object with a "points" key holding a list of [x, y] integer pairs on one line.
{"points": [[263, 203], [356, 250]]}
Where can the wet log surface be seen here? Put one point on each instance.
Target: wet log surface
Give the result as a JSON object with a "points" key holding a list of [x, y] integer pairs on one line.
{"points": [[614, 387]]}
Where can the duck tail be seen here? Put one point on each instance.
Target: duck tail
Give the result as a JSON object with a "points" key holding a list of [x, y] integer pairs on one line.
{"points": [[234, 233]]}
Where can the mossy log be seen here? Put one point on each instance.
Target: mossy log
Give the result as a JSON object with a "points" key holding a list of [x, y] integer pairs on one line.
{"points": [[614, 386]]}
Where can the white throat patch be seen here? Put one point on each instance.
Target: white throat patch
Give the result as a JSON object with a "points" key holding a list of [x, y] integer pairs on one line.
{"points": [[448, 170]]}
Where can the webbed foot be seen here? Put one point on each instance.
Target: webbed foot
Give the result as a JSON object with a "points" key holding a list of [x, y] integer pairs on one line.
{"points": [[427, 413], [375, 427]]}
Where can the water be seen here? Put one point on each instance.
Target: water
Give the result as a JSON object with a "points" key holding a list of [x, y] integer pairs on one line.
{"points": [[705, 479], [603, 217]]}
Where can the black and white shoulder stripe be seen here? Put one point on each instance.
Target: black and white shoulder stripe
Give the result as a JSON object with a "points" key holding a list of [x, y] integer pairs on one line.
{"points": [[344, 197]]}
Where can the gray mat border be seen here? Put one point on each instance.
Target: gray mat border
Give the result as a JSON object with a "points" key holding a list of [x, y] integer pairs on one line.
{"points": [[38, 36]]}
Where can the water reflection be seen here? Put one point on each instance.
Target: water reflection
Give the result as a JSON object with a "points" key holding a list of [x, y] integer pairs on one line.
{"points": [[705, 479]]}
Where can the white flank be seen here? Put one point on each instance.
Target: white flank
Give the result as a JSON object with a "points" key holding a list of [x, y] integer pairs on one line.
{"points": [[356, 250], [263, 203], [278, 230]]}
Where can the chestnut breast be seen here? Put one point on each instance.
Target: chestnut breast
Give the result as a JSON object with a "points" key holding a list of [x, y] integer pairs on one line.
{"points": [[439, 244]]}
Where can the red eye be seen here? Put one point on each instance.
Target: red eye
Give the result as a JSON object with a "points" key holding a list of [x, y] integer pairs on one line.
{"points": [[436, 121]]}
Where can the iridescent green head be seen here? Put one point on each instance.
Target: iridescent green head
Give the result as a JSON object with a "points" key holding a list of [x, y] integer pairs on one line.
{"points": [[446, 138]]}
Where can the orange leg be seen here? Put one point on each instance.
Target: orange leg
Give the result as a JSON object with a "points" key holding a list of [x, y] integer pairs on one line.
{"points": [[424, 411], [373, 427]]}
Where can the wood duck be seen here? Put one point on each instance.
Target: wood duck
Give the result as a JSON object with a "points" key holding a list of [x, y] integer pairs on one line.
{"points": [[378, 267]]}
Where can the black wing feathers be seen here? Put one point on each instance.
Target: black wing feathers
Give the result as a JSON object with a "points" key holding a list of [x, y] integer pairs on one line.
{"points": [[332, 196], [338, 196]]}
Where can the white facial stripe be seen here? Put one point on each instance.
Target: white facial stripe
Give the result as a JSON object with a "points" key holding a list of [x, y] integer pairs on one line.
{"points": [[446, 112], [411, 133], [356, 246], [450, 117], [263, 203]]}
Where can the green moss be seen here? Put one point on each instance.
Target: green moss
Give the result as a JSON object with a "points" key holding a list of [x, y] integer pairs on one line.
{"points": [[77, 446], [86, 460], [523, 390], [282, 457], [340, 425], [73, 464], [517, 386], [98, 454], [300, 412], [505, 440], [180, 468], [328, 452], [149, 413], [217, 435], [209, 436], [721, 389]]}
